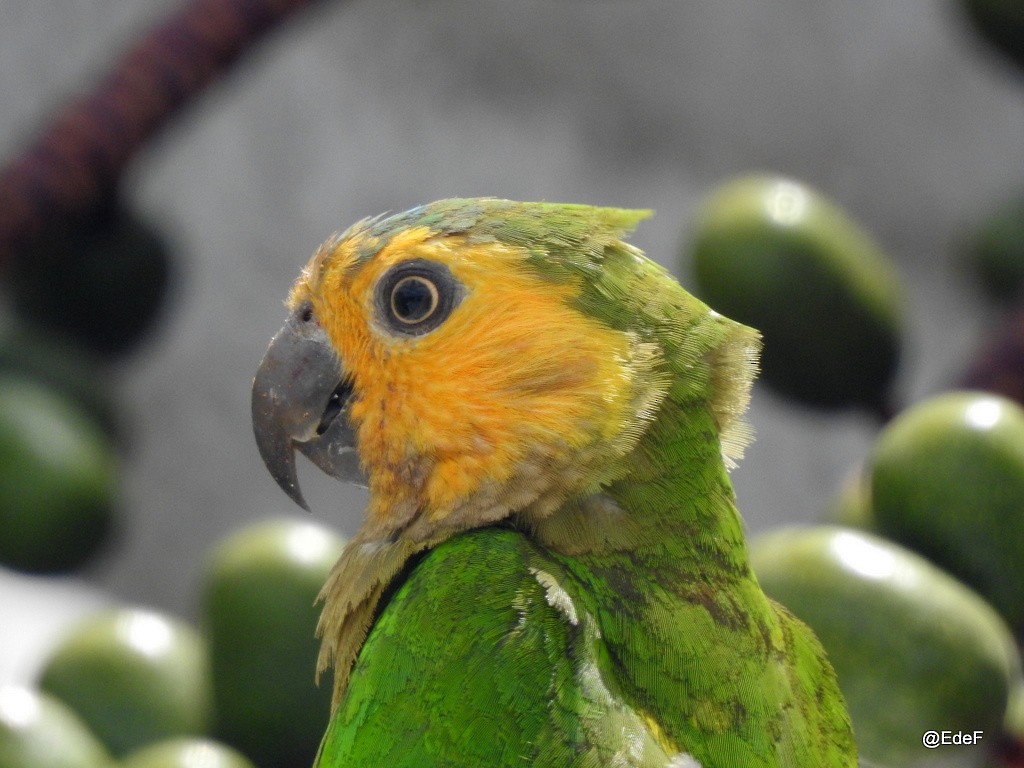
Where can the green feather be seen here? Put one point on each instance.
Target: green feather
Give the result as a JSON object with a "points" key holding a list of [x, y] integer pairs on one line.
{"points": [[570, 236]]}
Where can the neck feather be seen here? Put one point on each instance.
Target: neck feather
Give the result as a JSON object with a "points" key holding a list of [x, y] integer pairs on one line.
{"points": [[676, 497]]}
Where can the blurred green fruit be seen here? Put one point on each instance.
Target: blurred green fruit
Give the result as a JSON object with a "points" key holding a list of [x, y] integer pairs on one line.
{"points": [[58, 480], [851, 506], [258, 603], [1013, 725], [998, 250], [66, 368], [914, 649], [186, 753], [947, 480], [775, 255], [100, 280], [38, 731], [1001, 23], [134, 677]]}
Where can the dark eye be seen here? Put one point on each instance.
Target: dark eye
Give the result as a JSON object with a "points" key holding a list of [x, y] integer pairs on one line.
{"points": [[306, 312], [414, 299]]}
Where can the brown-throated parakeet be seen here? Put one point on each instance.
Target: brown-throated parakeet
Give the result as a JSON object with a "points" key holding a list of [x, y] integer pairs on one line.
{"points": [[552, 569]]}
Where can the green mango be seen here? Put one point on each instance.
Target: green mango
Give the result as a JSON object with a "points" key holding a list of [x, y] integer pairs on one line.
{"points": [[776, 255], [186, 753], [259, 595], [38, 731], [134, 677], [63, 366], [947, 480], [914, 649], [58, 480], [851, 506]]}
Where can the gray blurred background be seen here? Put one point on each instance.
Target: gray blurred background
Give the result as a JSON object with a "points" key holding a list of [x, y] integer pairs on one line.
{"points": [[894, 109]]}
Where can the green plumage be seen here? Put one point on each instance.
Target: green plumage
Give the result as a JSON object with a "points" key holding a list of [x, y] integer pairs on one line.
{"points": [[626, 629]]}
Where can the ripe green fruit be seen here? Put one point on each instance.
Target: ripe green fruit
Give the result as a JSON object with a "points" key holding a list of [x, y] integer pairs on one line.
{"points": [[851, 506], [774, 254], [258, 604], [66, 368], [914, 650], [57, 480], [38, 731], [134, 677], [947, 480], [1013, 725], [186, 753]]}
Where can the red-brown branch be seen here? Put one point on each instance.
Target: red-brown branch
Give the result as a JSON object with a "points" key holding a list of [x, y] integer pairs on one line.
{"points": [[75, 164]]}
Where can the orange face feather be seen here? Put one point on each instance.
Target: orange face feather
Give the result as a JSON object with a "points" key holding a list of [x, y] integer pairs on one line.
{"points": [[491, 408]]}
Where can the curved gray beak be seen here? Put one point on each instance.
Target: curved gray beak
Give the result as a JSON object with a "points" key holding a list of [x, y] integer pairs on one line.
{"points": [[300, 399]]}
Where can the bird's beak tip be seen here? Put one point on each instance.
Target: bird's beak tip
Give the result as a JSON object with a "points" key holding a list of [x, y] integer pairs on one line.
{"points": [[299, 395]]}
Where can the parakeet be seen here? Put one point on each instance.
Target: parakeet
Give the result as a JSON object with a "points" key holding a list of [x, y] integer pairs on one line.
{"points": [[552, 569]]}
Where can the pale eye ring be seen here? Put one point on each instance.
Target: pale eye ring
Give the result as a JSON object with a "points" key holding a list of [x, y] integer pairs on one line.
{"points": [[414, 299]]}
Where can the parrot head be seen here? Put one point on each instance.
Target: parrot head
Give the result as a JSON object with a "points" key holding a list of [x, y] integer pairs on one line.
{"points": [[451, 359], [474, 359]]}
